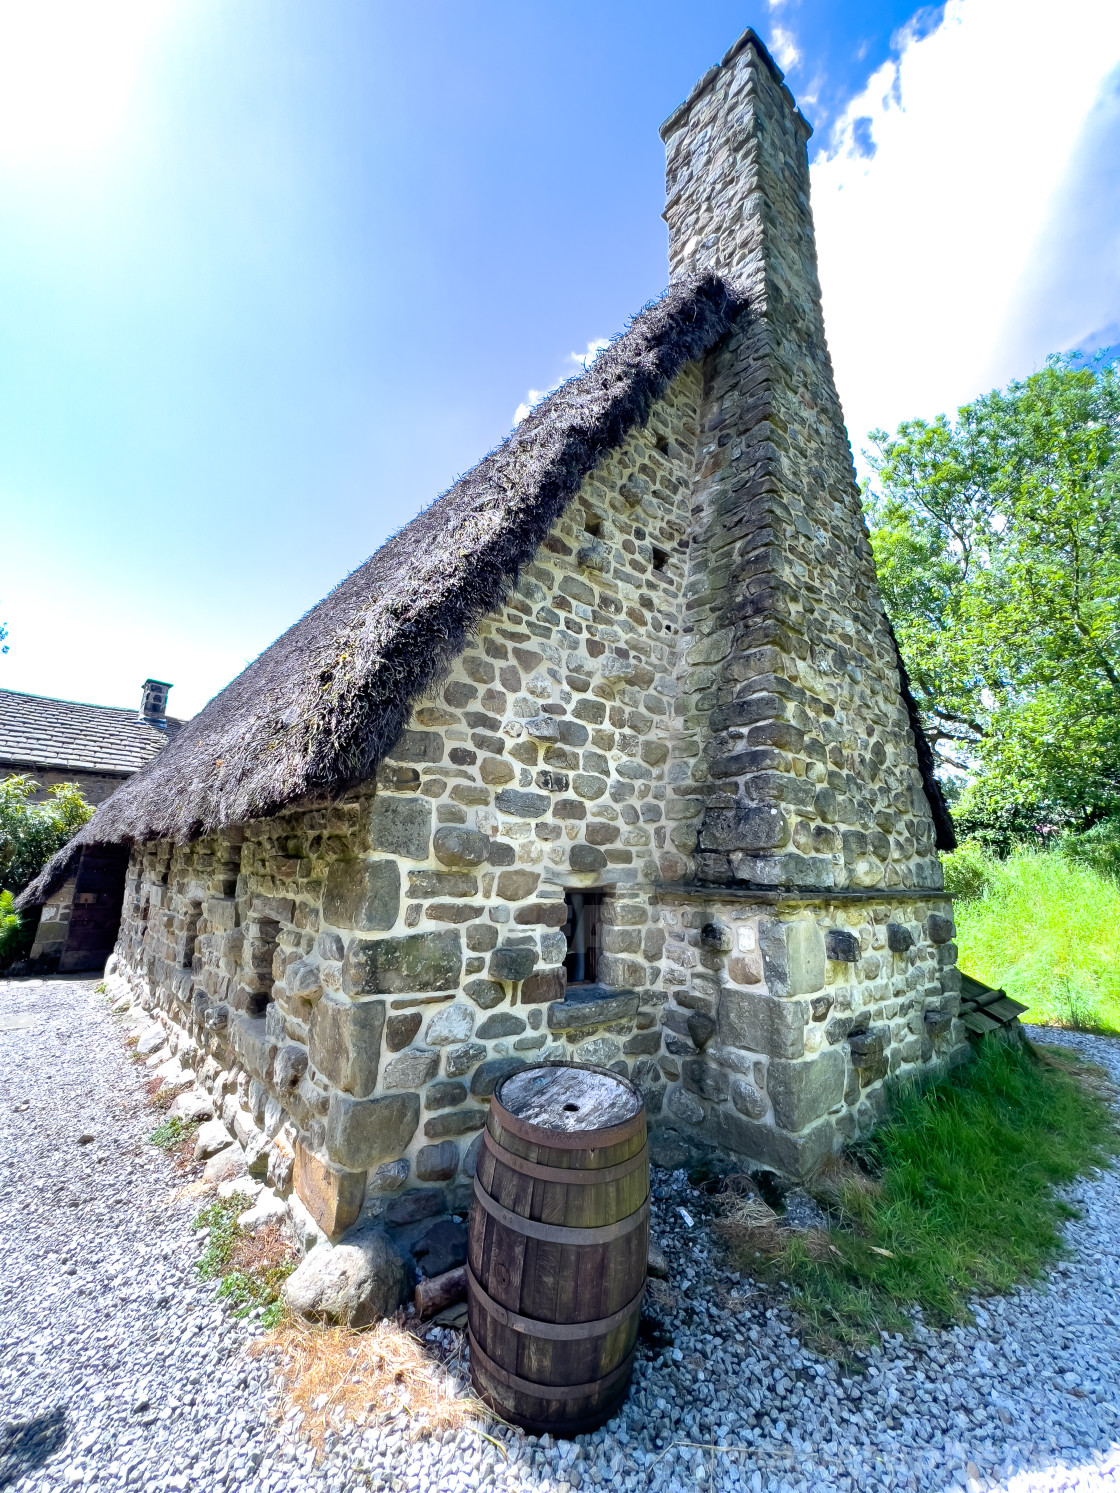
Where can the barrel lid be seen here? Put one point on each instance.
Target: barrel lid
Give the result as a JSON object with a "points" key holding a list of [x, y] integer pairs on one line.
{"points": [[569, 1100]]}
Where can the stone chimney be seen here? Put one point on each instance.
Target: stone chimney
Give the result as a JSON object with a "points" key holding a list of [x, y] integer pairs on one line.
{"points": [[153, 702], [801, 745]]}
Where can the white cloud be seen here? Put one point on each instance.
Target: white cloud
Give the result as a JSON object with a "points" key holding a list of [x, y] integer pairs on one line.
{"points": [[940, 210], [785, 48], [573, 364], [68, 73]]}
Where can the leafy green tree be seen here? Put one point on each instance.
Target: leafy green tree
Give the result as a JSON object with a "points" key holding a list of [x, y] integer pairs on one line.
{"points": [[10, 925], [997, 540], [30, 833]]}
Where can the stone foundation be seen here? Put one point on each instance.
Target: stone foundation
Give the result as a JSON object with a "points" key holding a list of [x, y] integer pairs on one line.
{"points": [[785, 1016], [760, 1027]]}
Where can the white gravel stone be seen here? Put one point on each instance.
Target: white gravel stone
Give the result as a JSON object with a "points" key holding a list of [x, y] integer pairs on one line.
{"points": [[118, 1370]]}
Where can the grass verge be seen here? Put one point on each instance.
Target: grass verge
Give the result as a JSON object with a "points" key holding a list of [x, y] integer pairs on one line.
{"points": [[1046, 928], [250, 1268], [955, 1197]]}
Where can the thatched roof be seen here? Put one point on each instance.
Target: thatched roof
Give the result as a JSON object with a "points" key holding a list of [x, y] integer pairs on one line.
{"points": [[317, 711]]}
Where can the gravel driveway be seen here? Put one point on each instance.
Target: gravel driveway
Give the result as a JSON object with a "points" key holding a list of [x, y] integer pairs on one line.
{"points": [[118, 1370]]}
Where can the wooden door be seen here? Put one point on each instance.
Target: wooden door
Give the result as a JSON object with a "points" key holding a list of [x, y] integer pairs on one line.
{"points": [[95, 916]]}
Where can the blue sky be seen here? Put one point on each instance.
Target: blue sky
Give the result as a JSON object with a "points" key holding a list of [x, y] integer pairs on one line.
{"points": [[272, 275]]}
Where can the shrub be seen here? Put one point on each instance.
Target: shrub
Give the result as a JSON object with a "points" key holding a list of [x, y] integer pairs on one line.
{"points": [[10, 925], [1098, 848], [30, 833], [969, 871]]}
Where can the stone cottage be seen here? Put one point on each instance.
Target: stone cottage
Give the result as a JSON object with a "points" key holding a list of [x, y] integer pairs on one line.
{"points": [[96, 747], [609, 756]]}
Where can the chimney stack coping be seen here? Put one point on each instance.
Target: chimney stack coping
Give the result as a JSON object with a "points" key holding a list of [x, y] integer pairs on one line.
{"points": [[750, 38], [160, 689]]}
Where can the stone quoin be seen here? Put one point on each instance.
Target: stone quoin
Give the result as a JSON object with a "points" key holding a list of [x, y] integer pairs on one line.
{"points": [[609, 757]]}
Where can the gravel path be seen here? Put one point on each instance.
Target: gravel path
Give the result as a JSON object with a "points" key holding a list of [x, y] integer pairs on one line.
{"points": [[118, 1370]]}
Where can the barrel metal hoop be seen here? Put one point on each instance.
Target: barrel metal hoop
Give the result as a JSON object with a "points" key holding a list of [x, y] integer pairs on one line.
{"points": [[567, 1140], [550, 1391], [581, 1176], [555, 1233], [563, 1332]]}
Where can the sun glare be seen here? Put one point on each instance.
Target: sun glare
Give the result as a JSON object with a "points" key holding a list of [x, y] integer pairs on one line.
{"points": [[68, 73]]}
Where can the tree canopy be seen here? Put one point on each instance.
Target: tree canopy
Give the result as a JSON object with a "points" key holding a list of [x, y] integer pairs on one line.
{"points": [[997, 541], [30, 832]]}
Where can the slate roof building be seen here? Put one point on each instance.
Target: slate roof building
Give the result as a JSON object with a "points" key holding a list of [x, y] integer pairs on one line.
{"points": [[96, 746], [608, 756]]}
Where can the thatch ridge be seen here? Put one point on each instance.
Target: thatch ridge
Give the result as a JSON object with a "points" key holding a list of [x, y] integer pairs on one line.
{"points": [[320, 707]]}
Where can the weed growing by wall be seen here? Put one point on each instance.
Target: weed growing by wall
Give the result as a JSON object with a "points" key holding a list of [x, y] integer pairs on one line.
{"points": [[250, 1268]]}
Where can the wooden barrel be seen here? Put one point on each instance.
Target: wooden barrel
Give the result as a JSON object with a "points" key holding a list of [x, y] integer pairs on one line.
{"points": [[557, 1248]]}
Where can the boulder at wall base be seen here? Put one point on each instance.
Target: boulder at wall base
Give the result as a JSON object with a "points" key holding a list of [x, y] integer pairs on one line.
{"points": [[195, 1104], [211, 1138], [150, 1040], [441, 1247], [358, 1282], [226, 1165]]}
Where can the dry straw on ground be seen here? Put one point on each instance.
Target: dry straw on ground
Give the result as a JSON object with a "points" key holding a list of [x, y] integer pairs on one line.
{"points": [[750, 1225], [335, 1375], [263, 1250], [662, 1294]]}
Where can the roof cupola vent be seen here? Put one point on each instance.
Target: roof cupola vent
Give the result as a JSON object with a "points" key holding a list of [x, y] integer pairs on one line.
{"points": [[153, 701]]}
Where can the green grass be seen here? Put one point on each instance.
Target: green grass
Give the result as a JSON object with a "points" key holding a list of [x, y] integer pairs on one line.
{"points": [[960, 1200], [248, 1276], [172, 1133], [221, 1219], [1044, 926]]}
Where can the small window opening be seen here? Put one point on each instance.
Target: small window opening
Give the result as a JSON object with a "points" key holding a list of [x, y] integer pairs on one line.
{"points": [[582, 932], [661, 443], [593, 525], [660, 558]]}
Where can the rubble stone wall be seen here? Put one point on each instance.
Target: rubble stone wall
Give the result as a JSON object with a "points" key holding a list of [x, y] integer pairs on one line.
{"points": [[784, 1017], [356, 977], [54, 924]]}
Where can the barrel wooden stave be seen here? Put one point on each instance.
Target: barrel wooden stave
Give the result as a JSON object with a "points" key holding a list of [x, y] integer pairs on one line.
{"points": [[565, 1283], [582, 1204]]}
